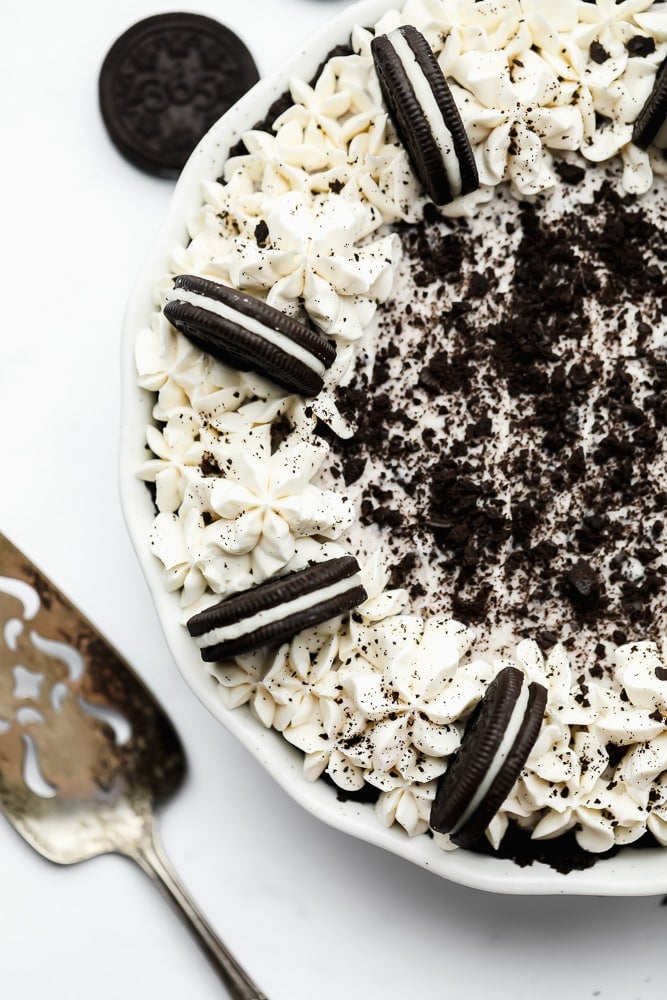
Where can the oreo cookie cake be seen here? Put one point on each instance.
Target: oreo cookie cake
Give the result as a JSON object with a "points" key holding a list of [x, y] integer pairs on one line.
{"points": [[429, 499]]}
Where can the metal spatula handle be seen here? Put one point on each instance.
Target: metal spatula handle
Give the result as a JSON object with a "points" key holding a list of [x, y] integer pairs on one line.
{"points": [[81, 772], [150, 856]]}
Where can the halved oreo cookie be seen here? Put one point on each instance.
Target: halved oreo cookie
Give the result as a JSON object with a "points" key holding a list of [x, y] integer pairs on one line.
{"points": [[249, 334], [498, 738], [651, 123], [424, 112], [276, 610], [165, 81]]}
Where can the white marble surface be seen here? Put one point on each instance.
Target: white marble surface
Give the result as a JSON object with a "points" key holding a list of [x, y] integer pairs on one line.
{"points": [[310, 912]]}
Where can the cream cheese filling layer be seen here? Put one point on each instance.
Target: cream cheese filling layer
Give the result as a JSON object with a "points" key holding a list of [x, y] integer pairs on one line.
{"points": [[268, 616], [432, 113], [511, 733], [279, 340]]}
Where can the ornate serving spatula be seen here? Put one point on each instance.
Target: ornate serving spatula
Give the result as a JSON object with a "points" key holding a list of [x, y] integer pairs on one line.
{"points": [[86, 753]]}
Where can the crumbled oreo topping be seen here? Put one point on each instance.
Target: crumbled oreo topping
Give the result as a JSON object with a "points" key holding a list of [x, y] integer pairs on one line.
{"points": [[510, 423], [640, 45]]}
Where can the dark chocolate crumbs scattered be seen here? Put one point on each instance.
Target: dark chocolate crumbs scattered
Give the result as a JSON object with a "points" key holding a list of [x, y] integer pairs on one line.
{"points": [[569, 173], [640, 45], [598, 53], [584, 422], [262, 233]]}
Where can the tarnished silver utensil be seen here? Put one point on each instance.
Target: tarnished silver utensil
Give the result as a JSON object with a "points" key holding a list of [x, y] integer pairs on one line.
{"points": [[86, 753]]}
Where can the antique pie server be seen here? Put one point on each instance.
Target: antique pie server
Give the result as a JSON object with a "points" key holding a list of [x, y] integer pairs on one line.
{"points": [[86, 753]]}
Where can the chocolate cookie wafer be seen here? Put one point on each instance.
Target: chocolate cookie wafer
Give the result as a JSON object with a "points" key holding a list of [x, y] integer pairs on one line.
{"points": [[276, 610], [498, 738], [165, 81], [424, 112], [249, 334], [651, 123]]}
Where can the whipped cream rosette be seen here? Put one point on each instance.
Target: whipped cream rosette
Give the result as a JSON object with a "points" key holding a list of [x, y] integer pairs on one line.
{"points": [[311, 215], [312, 259]]}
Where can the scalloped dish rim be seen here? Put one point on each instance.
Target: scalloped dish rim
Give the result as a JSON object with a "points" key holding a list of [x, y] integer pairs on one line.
{"points": [[631, 872]]}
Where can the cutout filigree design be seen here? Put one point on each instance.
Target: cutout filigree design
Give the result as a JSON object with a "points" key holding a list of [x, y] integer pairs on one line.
{"points": [[42, 707]]}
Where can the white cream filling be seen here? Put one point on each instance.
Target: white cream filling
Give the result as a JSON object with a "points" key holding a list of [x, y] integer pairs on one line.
{"points": [[267, 616], [513, 729], [279, 340], [432, 112]]}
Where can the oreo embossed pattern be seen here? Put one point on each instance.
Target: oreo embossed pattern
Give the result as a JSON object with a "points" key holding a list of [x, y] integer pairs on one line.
{"points": [[165, 81]]}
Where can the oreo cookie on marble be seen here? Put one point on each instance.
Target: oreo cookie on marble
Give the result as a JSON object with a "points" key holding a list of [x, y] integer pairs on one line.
{"points": [[276, 610], [425, 114], [165, 81], [651, 123], [498, 738], [249, 334]]}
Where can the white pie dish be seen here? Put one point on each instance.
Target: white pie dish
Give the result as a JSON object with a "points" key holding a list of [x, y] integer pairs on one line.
{"points": [[630, 873]]}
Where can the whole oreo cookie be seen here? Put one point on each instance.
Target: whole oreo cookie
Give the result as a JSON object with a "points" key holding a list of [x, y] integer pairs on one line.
{"points": [[497, 741], [276, 610], [424, 112], [651, 123], [165, 81], [249, 334]]}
